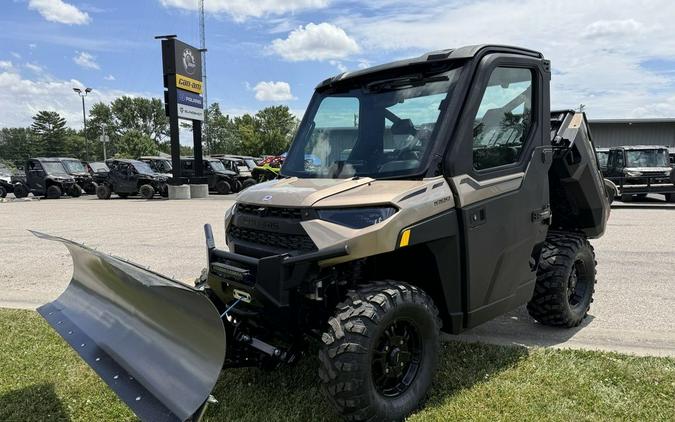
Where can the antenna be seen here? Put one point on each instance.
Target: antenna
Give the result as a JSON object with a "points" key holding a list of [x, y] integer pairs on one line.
{"points": [[202, 47]]}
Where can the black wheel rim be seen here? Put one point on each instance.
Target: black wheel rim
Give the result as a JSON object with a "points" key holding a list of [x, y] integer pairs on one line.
{"points": [[396, 358], [578, 285]]}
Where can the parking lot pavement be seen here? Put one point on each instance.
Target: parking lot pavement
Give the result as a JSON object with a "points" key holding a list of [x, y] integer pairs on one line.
{"points": [[632, 312]]}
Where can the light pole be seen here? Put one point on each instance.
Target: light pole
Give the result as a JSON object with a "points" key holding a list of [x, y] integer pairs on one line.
{"points": [[82, 94]]}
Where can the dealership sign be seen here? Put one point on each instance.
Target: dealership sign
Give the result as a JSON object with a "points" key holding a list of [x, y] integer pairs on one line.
{"points": [[192, 113], [183, 79]]}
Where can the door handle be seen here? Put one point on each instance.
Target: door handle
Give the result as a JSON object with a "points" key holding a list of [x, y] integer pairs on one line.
{"points": [[542, 216], [477, 217]]}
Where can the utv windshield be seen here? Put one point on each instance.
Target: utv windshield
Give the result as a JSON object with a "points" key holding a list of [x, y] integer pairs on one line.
{"points": [[142, 168], [217, 165], [163, 166], [602, 158], [53, 167], [647, 158], [382, 128], [74, 166]]}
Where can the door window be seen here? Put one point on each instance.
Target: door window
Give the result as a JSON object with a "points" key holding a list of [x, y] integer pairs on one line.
{"points": [[504, 119]]}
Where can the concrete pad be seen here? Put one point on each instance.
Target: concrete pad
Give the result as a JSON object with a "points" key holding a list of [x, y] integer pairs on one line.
{"points": [[179, 192], [199, 191]]}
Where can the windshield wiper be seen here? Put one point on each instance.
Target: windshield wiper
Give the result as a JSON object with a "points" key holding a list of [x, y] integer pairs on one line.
{"points": [[404, 82]]}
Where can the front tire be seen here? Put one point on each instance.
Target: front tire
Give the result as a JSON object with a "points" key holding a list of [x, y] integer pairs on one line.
{"points": [[3, 192], [223, 187], [75, 191], [565, 281], [53, 192], [248, 183], [147, 191], [380, 352], [20, 190]]}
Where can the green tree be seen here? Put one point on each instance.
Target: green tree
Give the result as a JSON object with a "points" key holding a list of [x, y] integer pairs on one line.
{"points": [[134, 143], [276, 126], [17, 145], [50, 130], [221, 135]]}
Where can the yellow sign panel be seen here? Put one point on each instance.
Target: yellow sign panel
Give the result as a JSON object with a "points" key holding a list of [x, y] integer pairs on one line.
{"points": [[188, 84]]}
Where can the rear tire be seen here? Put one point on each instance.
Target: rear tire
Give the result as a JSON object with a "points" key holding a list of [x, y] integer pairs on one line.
{"points": [[147, 191], [3, 192], [380, 352], [223, 187], [670, 197], [103, 191], [53, 192], [20, 190], [565, 281]]}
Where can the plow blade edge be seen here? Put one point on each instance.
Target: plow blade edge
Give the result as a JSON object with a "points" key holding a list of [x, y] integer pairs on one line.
{"points": [[157, 343]]}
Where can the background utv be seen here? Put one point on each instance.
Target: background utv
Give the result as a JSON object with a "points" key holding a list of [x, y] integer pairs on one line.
{"points": [[455, 197]]}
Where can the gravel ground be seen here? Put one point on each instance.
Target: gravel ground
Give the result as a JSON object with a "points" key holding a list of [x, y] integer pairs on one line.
{"points": [[632, 312]]}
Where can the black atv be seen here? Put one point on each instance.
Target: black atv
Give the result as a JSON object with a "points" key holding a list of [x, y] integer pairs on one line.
{"points": [[131, 177], [77, 169], [6, 185], [46, 177], [240, 168], [219, 178]]}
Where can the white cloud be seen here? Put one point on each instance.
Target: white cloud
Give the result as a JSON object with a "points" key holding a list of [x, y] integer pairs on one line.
{"points": [[109, 78], [242, 9], [34, 68], [15, 55], [21, 98], [86, 60], [604, 28], [6, 64], [341, 66], [59, 11], [273, 91], [597, 62], [324, 41]]}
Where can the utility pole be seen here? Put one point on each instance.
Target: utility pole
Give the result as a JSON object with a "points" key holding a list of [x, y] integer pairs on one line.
{"points": [[202, 48], [104, 141], [82, 94]]}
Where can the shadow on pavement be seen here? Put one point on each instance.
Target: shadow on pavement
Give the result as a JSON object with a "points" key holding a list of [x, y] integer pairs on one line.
{"points": [[37, 402], [517, 328]]}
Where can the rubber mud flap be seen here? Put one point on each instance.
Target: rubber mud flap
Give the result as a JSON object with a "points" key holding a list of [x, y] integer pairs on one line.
{"points": [[159, 344]]}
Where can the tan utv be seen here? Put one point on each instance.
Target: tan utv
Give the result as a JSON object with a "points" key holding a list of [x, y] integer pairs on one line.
{"points": [[426, 195]]}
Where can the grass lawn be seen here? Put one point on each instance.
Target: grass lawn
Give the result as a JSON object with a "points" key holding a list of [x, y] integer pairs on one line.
{"points": [[42, 379]]}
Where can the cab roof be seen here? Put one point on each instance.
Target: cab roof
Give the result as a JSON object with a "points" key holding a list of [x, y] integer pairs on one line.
{"points": [[437, 56], [641, 147]]}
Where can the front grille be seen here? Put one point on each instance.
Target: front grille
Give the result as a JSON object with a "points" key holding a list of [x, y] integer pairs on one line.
{"points": [[272, 241], [273, 212]]}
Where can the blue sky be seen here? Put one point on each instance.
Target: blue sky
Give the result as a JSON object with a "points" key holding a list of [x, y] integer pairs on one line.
{"points": [[616, 57]]}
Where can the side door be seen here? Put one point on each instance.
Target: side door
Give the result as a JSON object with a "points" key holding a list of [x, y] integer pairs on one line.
{"points": [[500, 160], [35, 177], [127, 181]]}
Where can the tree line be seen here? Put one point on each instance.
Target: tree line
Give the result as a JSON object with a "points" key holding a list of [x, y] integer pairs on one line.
{"points": [[139, 126]]}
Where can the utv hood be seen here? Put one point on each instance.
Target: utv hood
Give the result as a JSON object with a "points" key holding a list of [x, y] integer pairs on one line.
{"points": [[294, 192]]}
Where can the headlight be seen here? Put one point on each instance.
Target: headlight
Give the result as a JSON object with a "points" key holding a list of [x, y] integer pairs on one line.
{"points": [[633, 173], [356, 218]]}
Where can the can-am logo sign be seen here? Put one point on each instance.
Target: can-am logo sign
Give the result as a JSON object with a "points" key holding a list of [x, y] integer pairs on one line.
{"points": [[189, 62]]}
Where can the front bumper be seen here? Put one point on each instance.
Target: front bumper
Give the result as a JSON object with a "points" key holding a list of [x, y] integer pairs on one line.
{"points": [[644, 185], [268, 280]]}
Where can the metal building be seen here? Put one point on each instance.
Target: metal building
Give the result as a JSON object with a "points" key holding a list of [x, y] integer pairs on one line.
{"points": [[617, 132]]}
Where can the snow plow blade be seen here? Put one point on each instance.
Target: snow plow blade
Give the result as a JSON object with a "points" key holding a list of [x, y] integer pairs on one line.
{"points": [[157, 343]]}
